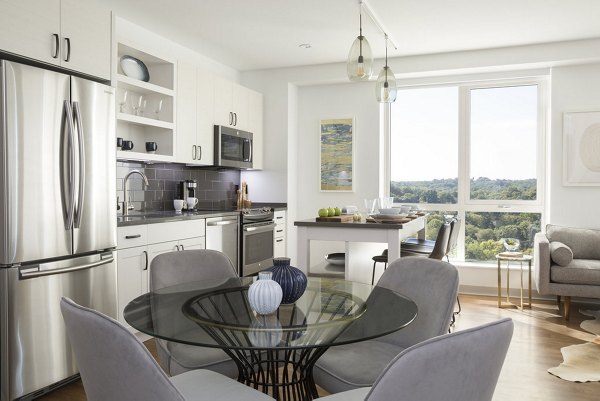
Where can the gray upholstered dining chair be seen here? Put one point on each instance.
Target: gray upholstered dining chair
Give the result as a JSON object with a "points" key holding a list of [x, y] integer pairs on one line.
{"points": [[432, 285], [116, 366], [462, 366], [174, 268], [426, 248]]}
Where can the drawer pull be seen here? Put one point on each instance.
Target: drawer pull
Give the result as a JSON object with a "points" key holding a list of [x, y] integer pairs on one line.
{"points": [[279, 240], [133, 236]]}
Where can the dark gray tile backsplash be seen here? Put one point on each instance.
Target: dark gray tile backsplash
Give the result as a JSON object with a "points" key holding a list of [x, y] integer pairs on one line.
{"points": [[215, 191]]}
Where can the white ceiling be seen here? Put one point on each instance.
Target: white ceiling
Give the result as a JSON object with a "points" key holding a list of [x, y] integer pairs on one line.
{"points": [[259, 34]]}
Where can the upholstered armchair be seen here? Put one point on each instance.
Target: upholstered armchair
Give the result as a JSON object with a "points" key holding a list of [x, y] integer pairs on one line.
{"points": [[567, 263]]}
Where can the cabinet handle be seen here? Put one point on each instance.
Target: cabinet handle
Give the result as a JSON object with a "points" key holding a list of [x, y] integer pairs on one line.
{"points": [[230, 118], [235, 119], [133, 236], [279, 240], [279, 231], [146, 254], [177, 248], [193, 152], [68, 42], [182, 248], [56, 45], [199, 149]]}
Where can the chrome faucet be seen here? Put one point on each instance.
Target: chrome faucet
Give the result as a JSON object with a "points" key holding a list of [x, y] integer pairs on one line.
{"points": [[127, 206]]}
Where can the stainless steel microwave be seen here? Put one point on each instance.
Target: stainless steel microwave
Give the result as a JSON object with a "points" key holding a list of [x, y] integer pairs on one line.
{"points": [[233, 147]]}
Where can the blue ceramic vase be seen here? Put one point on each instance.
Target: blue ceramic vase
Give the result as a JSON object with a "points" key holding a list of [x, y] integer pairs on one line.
{"points": [[291, 279]]}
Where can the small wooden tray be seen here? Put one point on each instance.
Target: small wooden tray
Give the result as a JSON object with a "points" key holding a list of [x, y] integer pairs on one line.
{"points": [[337, 219]]}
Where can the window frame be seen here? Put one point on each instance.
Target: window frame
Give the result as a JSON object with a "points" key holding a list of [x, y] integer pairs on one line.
{"points": [[464, 203]]}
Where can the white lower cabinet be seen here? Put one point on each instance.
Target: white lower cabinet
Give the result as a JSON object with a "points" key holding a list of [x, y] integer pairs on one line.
{"points": [[132, 276], [138, 245]]}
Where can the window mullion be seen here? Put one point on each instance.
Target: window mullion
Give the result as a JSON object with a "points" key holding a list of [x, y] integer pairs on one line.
{"points": [[463, 165]]}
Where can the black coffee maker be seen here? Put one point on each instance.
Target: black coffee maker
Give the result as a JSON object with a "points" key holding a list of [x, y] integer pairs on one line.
{"points": [[187, 189]]}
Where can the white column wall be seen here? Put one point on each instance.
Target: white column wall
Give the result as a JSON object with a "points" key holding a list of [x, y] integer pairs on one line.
{"points": [[574, 88]]}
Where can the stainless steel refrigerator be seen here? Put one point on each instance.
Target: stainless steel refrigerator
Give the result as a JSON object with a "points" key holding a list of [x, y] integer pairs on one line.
{"points": [[57, 218]]}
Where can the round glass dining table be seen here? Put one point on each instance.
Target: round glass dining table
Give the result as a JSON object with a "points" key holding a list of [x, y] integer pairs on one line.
{"points": [[274, 353]]}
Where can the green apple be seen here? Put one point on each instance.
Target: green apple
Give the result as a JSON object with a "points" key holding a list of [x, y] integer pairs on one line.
{"points": [[331, 212], [338, 211], [323, 212]]}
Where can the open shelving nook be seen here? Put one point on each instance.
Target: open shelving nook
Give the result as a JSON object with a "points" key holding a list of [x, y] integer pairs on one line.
{"points": [[146, 110]]}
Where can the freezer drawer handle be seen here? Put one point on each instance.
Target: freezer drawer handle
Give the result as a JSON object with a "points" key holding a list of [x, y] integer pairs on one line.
{"points": [[34, 274], [133, 236]]}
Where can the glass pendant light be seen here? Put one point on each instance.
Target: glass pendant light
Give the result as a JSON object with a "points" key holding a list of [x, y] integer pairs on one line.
{"points": [[360, 58], [386, 89]]}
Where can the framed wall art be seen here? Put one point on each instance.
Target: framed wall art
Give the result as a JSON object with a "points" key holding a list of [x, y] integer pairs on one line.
{"points": [[337, 154], [581, 148]]}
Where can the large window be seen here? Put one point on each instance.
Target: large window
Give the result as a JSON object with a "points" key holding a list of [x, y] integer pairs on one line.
{"points": [[475, 151]]}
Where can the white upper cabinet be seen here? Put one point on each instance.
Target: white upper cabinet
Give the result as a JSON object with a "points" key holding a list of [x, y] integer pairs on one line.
{"points": [[186, 113], [223, 102], [67, 33], [31, 28], [205, 137], [86, 38], [234, 104], [195, 103]]}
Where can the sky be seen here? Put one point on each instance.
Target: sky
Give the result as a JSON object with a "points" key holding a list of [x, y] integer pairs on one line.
{"points": [[503, 125]]}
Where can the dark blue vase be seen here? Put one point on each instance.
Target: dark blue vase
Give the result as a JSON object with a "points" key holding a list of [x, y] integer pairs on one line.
{"points": [[291, 279]]}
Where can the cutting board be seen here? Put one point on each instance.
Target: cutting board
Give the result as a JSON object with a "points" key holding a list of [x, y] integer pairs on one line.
{"points": [[336, 219]]}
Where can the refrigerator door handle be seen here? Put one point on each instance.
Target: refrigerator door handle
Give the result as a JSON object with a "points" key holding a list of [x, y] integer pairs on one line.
{"points": [[71, 167], [81, 168], [37, 273]]}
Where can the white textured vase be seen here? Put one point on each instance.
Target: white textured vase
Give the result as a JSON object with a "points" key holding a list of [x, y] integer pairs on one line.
{"points": [[265, 294]]}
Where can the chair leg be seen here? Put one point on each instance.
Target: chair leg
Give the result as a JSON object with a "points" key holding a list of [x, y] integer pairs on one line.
{"points": [[459, 307], [558, 300], [373, 277]]}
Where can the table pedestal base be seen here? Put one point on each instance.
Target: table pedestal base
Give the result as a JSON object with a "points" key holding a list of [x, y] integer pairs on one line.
{"points": [[285, 375]]}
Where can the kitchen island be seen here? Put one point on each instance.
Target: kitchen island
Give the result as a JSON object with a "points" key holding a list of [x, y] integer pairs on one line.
{"points": [[355, 235]]}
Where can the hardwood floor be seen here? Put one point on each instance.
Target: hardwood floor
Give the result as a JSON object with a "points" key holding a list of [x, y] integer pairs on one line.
{"points": [[539, 335]]}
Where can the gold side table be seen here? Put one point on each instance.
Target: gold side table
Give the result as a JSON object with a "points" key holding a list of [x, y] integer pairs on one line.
{"points": [[508, 259]]}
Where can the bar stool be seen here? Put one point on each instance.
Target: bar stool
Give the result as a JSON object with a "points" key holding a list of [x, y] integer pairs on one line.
{"points": [[383, 258]]}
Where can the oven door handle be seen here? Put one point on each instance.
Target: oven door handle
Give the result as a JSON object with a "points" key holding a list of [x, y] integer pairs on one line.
{"points": [[260, 229]]}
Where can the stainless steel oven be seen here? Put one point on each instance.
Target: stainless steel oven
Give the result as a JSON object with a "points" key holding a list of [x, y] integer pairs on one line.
{"points": [[257, 240]]}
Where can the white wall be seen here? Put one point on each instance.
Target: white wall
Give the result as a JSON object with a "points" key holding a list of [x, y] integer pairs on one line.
{"points": [[574, 88], [355, 100]]}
